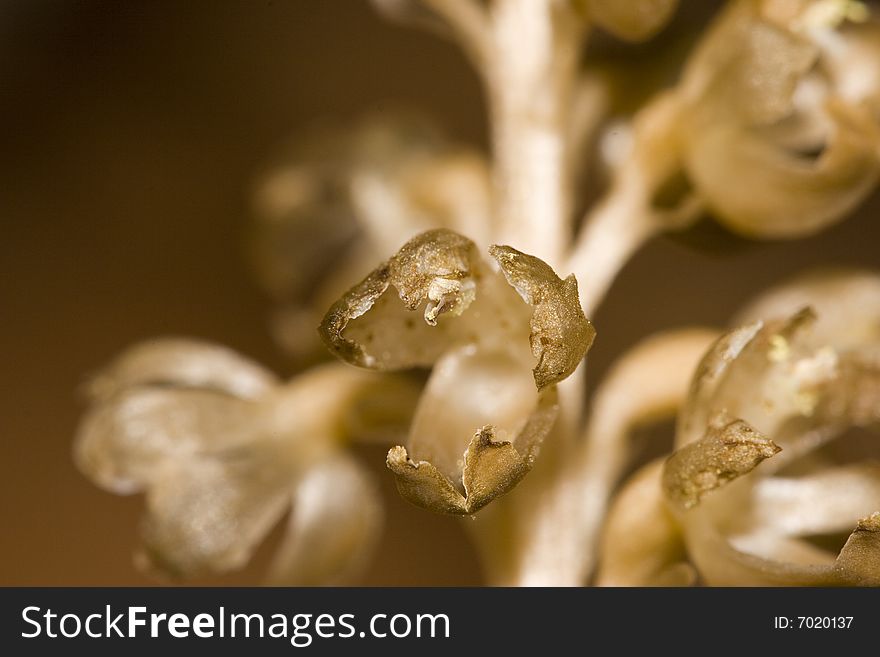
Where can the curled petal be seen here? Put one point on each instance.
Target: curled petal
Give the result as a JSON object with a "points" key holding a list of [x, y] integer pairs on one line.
{"points": [[561, 334], [488, 467], [208, 515], [846, 302], [710, 371], [727, 452], [642, 543], [333, 528], [633, 20], [776, 377], [183, 363], [790, 196], [721, 564], [760, 102], [824, 502]]}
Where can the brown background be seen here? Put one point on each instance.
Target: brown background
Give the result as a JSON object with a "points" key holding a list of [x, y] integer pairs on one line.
{"points": [[130, 133]]}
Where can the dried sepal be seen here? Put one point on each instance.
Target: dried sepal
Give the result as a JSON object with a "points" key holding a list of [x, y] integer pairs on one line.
{"points": [[642, 544], [489, 467], [560, 333], [632, 20], [729, 450], [437, 269], [333, 527]]}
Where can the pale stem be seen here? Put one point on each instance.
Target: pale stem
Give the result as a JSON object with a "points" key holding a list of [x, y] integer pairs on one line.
{"points": [[627, 217], [535, 48], [613, 232]]}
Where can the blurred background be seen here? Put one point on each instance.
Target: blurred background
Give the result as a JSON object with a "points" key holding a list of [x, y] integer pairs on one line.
{"points": [[131, 135]]}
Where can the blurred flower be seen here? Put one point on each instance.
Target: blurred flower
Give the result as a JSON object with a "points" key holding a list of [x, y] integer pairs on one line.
{"points": [[340, 199], [487, 406], [782, 99], [779, 391], [222, 449]]}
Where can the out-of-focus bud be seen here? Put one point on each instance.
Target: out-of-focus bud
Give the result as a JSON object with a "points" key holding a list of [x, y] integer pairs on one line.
{"points": [[222, 450], [340, 199], [780, 128]]}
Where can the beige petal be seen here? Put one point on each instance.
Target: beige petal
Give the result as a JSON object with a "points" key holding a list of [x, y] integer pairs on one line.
{"points": [[778, 377], [122, 442], [642, 543], [207, 515], [789, 196], [183, 363], [824, 502], [697, 410], [846, 302], [721, 564], [333, 528], [633, 20]]}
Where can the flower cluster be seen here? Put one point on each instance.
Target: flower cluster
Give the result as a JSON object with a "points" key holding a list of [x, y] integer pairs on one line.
{"points": [[772, 128]]}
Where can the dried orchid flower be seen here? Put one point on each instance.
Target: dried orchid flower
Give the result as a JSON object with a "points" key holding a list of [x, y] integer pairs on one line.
{"points": [[778, 98], [749, 482], [222, 449], [499, 340]]}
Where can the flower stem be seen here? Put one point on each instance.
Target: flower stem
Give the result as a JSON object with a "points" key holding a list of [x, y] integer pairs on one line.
{"points": [[530, 75]]}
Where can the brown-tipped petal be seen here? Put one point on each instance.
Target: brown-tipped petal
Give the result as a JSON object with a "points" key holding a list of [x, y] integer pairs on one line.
{"points": [[561, 334], [186, 364], [779, 377], [333, 528], [371, 326], [122, 442], [488, 467], [207, 515], [632, 20], [726, 453], [694, 415]]}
